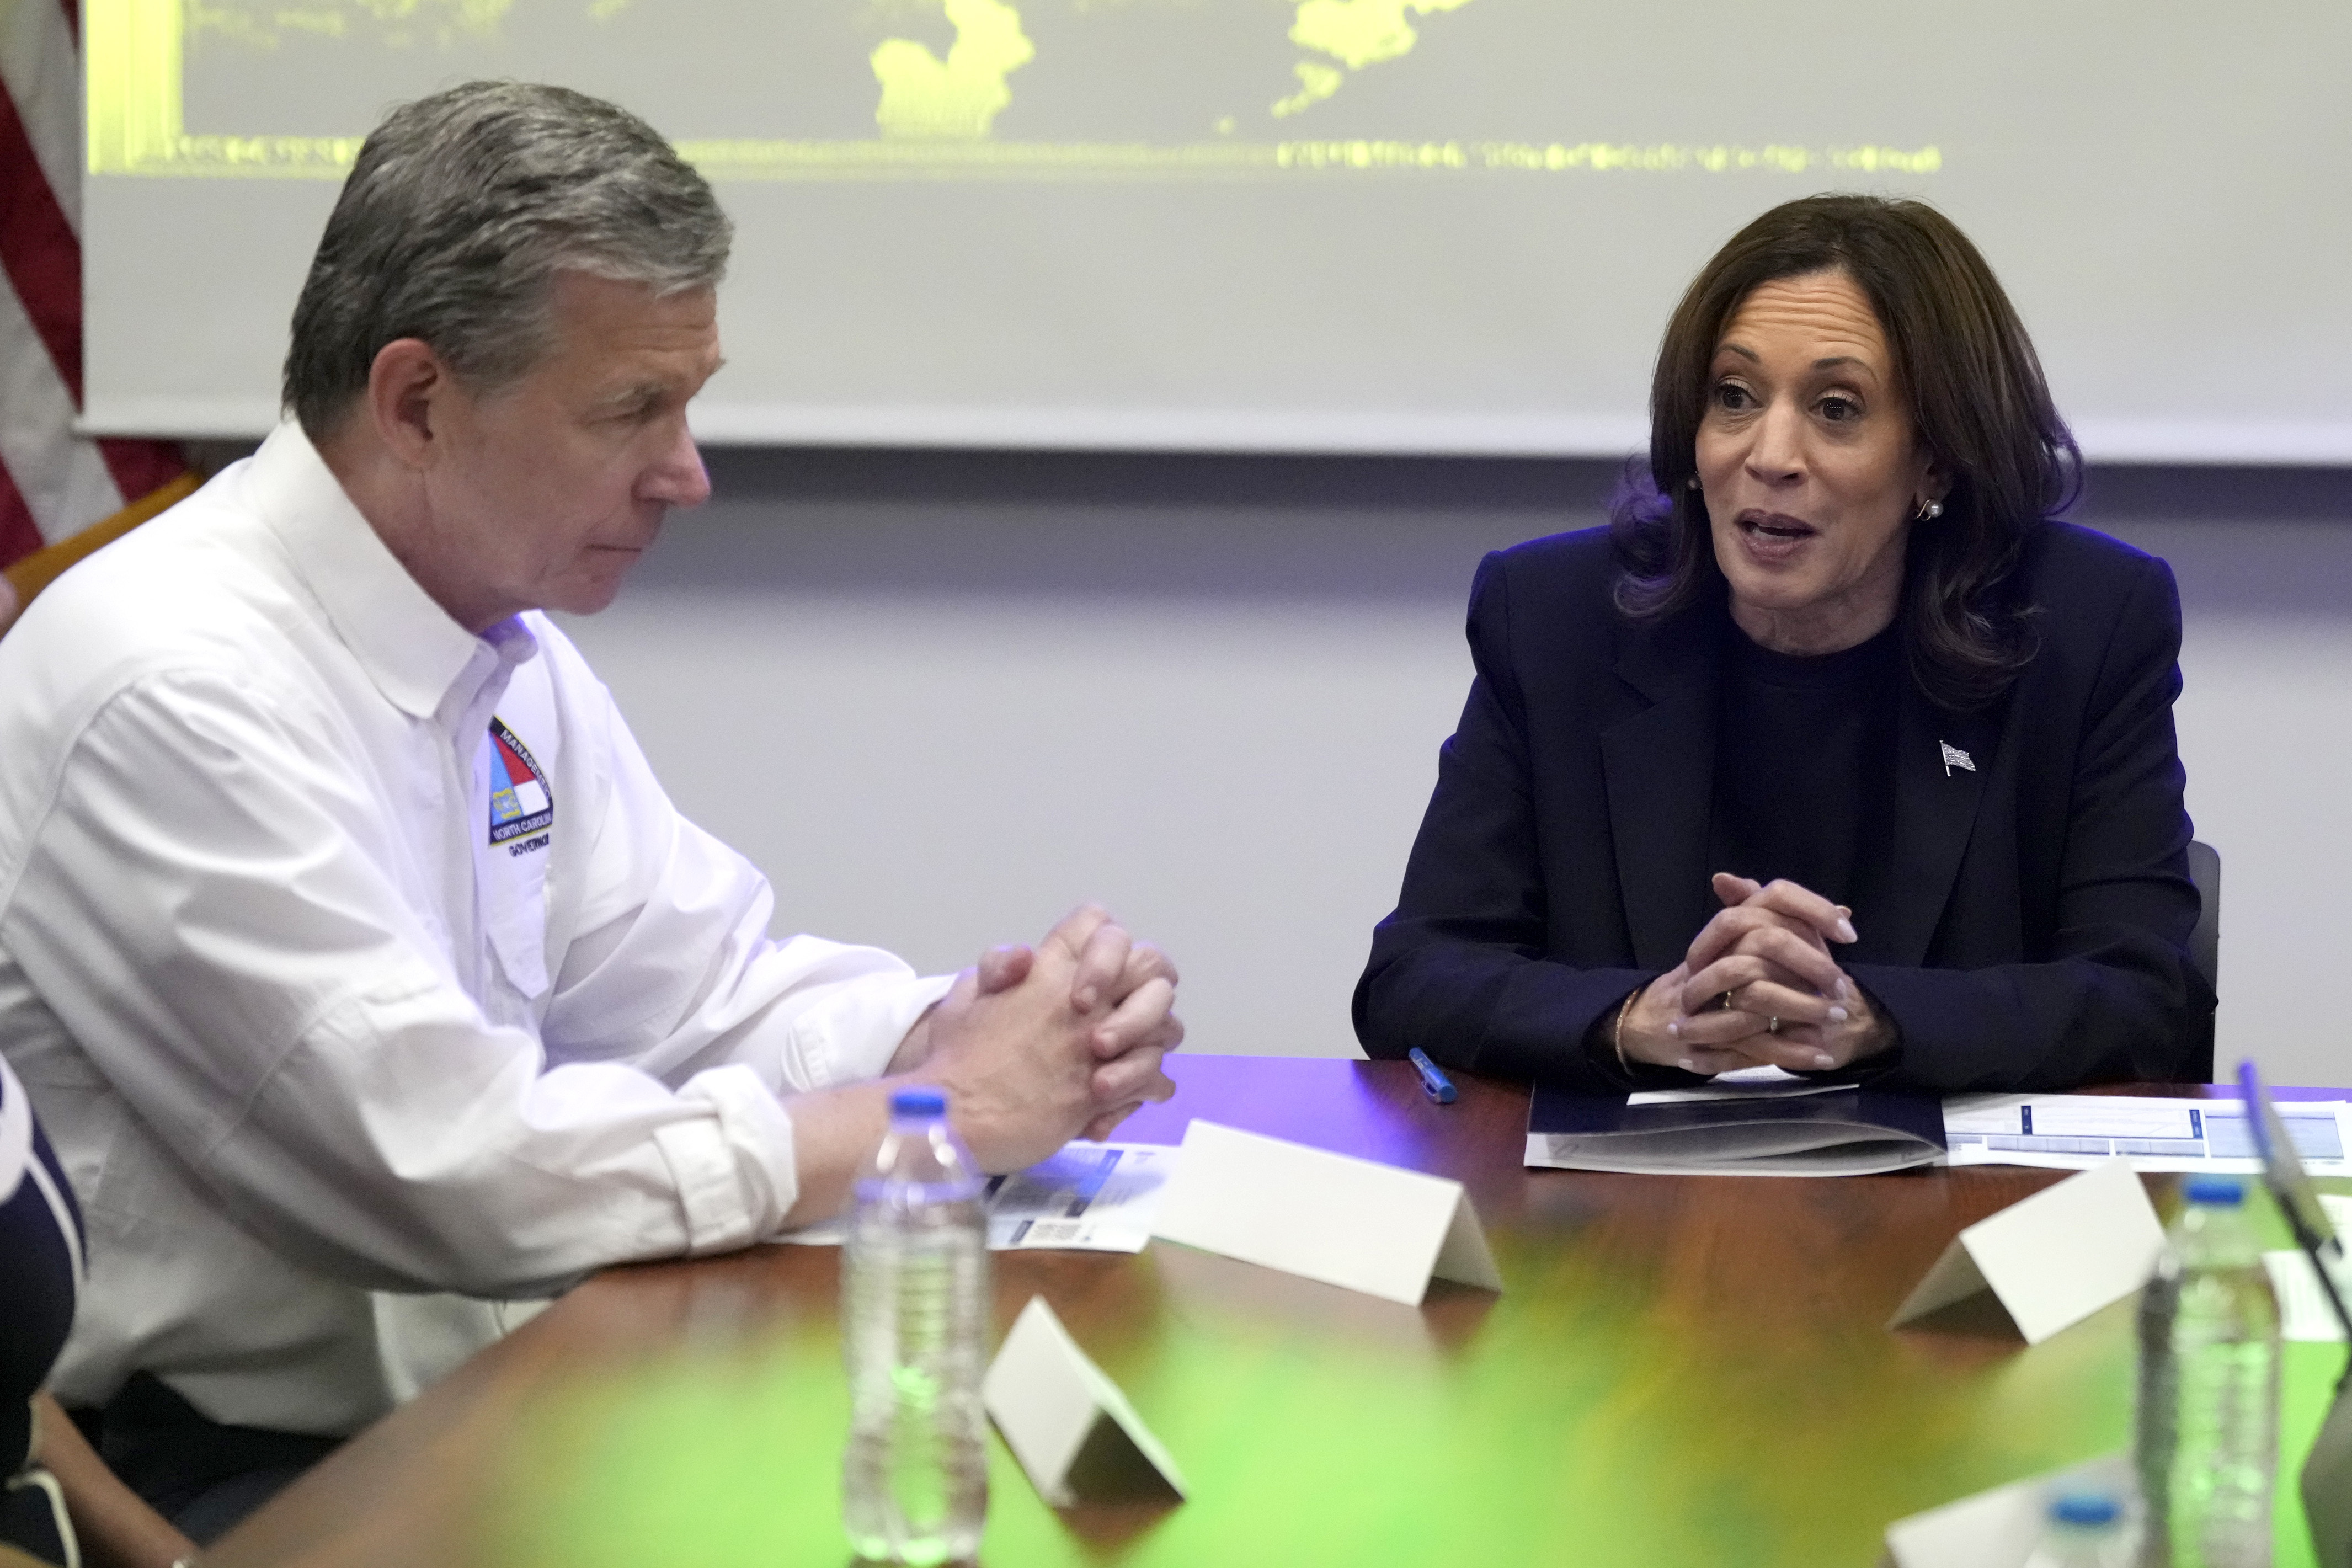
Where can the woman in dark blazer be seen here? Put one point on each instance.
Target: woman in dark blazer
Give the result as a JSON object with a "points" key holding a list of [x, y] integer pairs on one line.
{"points": [[1835, 751], [55, 1485], [40, 1275]]}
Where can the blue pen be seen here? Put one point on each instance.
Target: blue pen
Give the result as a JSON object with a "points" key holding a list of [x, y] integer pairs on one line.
{"points": [[1434, 1083]]}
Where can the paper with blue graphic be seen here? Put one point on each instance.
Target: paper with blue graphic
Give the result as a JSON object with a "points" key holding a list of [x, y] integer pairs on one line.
{"points": [[1085, 1197], [2076, 1132]]}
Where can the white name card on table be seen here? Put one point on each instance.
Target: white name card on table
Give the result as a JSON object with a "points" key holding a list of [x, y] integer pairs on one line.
{"points": [[1999, 1529], [1072, 1430], [1332, 1217], [2051, 1260], [2304, 1312]]}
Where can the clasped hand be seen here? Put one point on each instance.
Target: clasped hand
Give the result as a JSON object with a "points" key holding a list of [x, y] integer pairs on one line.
{"points": [[1758, 987], [1035, 1047]]}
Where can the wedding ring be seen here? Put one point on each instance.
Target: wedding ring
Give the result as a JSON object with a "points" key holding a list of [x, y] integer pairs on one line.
{"points": [[1772, 1025], [1723, 1003]]}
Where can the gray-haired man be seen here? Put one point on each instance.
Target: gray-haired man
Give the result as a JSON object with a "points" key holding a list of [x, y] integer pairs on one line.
{"points": [[347, 943]]}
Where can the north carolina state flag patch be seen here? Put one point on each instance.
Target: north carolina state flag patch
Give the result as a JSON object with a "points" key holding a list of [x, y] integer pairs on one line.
{"points": [[520, 805]]}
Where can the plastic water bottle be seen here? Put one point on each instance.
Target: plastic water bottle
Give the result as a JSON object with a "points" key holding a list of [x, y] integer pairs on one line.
{"points": [[2207, 1444], [2085, 1529], [914, 1320]]}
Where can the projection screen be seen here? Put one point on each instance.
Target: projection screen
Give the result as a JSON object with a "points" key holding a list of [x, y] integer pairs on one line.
{"points": [[1384, 225]]}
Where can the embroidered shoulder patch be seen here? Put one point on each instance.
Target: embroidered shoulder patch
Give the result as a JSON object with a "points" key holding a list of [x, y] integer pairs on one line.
{"points": [[519, 802]]}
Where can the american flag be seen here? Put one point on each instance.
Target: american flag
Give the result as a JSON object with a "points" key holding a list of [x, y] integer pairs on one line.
{"points": [[53, 483]]}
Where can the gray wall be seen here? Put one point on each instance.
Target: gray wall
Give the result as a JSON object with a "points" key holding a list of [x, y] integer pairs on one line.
{"points": [[941, 696]]}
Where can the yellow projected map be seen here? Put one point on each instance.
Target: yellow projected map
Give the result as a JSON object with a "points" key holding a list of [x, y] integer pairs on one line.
{"points": [[1356, 33], [960, 95], [863, 89]]}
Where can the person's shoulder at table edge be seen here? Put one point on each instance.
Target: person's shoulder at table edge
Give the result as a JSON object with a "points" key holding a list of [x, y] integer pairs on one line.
{"points": [[193, 587], [2068, 567], [1577, 561], [1553, 595]]}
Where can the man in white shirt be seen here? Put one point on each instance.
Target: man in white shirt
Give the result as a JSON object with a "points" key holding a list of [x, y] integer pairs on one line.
{"points": [[348, 946]]}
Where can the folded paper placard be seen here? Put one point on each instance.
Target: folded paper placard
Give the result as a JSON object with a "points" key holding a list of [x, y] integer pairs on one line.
{"points": [[2051, 1260], [1072, 1430], [1999, 1528], [1332, 1217]]}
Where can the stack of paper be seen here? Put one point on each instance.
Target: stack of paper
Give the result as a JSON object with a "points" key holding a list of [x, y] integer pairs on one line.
{"points": [[1765, 1126]]}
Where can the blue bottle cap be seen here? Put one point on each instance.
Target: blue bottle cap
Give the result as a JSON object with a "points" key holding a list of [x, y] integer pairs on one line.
{"points": [[2085, 1509], [918, 1102], [2222, 1192]]}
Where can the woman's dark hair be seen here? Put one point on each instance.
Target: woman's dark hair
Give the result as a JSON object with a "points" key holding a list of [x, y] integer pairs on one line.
{"points": [[1978, 401]]}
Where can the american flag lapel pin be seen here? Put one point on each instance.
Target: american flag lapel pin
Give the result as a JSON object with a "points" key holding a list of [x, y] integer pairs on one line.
{"points": [[1955, 758]]}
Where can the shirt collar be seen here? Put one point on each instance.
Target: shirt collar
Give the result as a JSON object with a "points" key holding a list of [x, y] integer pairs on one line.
{"points": [[470, 698], [408, 644]]}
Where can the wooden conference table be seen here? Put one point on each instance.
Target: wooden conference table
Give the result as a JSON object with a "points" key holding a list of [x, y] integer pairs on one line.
{"points": [[1682, 1370]]}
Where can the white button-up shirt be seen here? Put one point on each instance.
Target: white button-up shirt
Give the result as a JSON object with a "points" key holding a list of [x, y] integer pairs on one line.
{"points": [[347, 955]]}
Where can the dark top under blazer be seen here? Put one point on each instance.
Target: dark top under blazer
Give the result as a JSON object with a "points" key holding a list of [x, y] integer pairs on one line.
{"points": [[2037, 911]]}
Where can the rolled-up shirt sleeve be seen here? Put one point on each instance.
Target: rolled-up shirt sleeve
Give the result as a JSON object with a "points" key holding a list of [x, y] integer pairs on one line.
{"points": [[212, 912]]}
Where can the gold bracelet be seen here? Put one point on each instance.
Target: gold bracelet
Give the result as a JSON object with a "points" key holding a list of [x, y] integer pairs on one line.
{"points": [[1617, 1034]]}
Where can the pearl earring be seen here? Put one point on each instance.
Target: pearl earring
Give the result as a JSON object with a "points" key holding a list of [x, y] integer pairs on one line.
{"points": [[1931, 511]]}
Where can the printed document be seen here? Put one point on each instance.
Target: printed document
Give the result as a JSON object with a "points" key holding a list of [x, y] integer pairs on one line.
{"points": [[2075, 1132], [1088, 1197]]}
